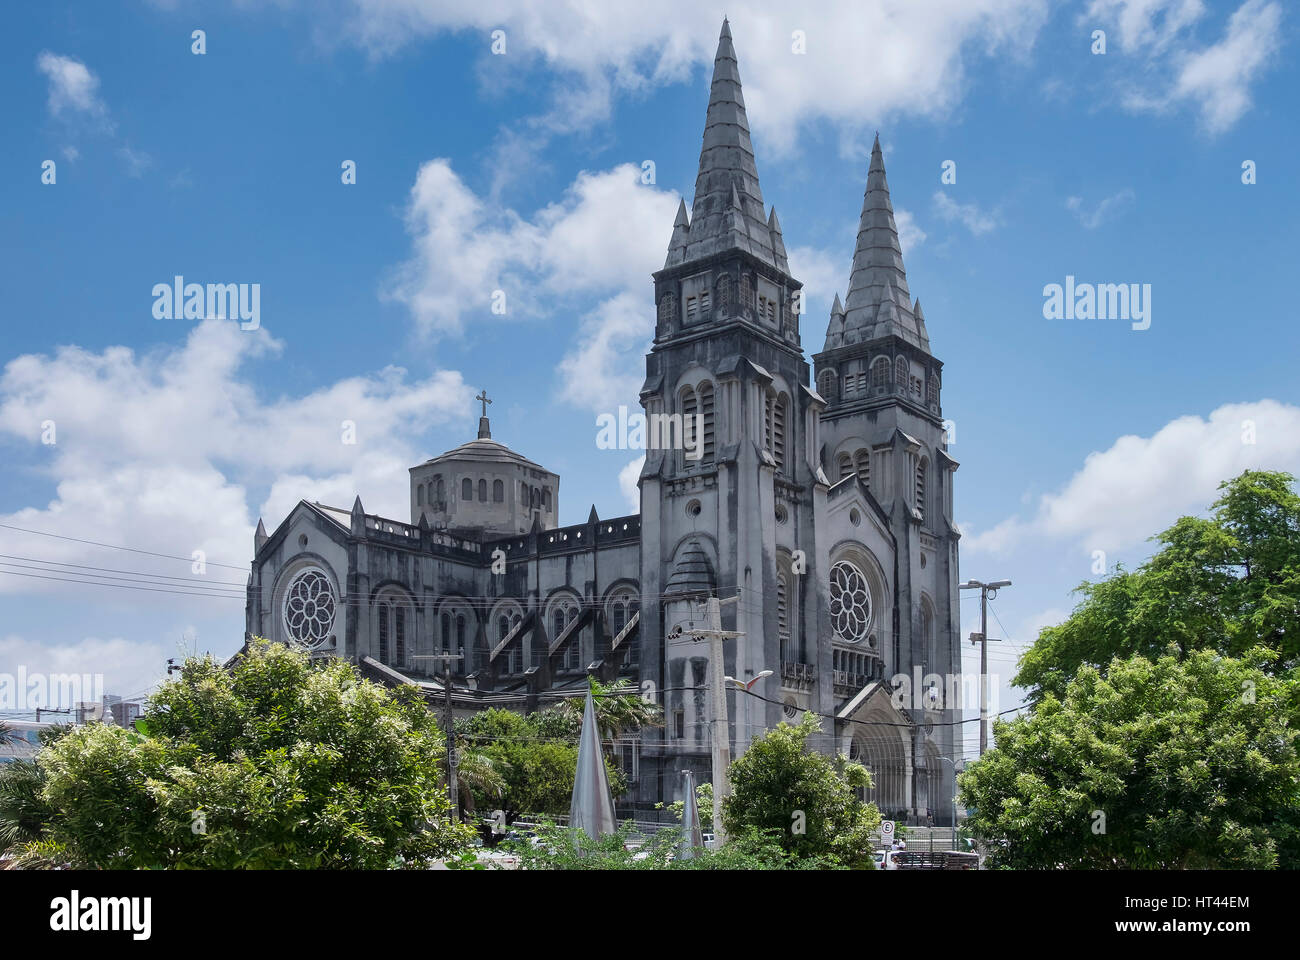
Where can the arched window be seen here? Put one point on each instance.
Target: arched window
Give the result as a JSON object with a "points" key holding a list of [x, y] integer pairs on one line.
{"points": [[546, 498], [826, 384], [467, 489], [922, 464], [442, 492], [498, 491], [880, 373], [932, 389], [445, 633], [482, 491], [391, 613], [706, 414], [564, 611], [862, 460], [780, 409], [690, 407], [845, 466], [927, 634], [419, 495], [783, 614], [901, 373]]}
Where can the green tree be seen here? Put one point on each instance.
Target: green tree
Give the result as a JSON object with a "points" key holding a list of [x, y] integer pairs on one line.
{"points": [[535, 756], [783, 788], [1228, 583], [278, 762], [1167, 764]]}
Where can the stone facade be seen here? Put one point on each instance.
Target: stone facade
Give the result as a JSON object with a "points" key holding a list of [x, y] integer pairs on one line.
{"points": [[826, 513]]}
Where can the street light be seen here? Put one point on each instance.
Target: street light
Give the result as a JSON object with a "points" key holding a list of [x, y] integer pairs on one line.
{"points": [[986, 590]]}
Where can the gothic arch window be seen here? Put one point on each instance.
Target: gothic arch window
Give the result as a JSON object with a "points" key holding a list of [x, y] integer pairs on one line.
{"points": [[537, 498], [901, 373], [467, 489], [776, 409], [724, 291], [441, 498], [482, 491], [928, 652], [667, 309], [705, 395], [845, 466], [393, 623], [563, 610], [498, 491], [507, 617], [862, 462], [419, 495], [826, 384], [310, 607], [880, 373], [786, 614], [922, 467], [619, 610], [690, 407], [444, 633], [850, 602], [546, 499], [747, 292], [932, 389]]}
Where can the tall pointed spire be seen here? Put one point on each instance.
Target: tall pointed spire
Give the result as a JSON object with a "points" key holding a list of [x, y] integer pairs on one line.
{"points": [[878, 303], [727, 172]]}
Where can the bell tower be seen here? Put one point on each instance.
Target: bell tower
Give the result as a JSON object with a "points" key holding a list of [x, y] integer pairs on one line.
{"points": [[729, 508]]}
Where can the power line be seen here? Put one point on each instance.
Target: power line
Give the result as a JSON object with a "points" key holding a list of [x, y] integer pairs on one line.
{"points": [[114, 546]]}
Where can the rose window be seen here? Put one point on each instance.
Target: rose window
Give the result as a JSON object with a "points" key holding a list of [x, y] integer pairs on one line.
{"points": [[850, 602], [309, 608]]}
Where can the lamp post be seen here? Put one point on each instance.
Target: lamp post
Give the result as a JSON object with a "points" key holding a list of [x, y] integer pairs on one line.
{"points": [[953, 764], [987, 591]]}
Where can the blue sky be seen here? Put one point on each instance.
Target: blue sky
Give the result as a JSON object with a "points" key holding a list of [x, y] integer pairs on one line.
{"points": [[521, 172]]}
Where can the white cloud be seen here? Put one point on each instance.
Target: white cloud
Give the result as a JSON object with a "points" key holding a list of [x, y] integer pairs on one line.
{"points": [[599, 243], [74, 89], [1140, 485], [608, 233], [1105, 210], [157, 451], [125, 668], [823, 274], [910, 234], [631, 46], [1178, 71], [627, 483], [977, 221], [604, 366]]}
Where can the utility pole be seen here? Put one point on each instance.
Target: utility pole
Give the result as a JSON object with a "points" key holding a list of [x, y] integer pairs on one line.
{"points": [[721, 736], [453, 792], [982, 638]]}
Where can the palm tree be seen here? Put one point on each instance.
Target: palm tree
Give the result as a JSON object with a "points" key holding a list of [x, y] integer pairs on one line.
{"points": [[476, 772], [619, 709], [23, 810]]}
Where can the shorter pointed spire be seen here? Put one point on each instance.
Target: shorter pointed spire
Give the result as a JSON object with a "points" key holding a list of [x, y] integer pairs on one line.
{"points": [[260, 536], [837, 308], [778, 244], [681, 235]]}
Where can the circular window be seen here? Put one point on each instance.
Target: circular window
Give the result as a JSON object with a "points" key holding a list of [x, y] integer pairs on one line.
{"points": [[850, 602], [692, 509], [855, 518], [781, 514], [309, 608], [790, 708]]}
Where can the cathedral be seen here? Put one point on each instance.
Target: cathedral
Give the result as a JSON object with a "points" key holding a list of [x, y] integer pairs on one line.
{"points": [[819, 499]]}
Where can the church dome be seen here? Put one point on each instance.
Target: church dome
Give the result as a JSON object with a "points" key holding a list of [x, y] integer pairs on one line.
{"points": [[484, 487]]}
